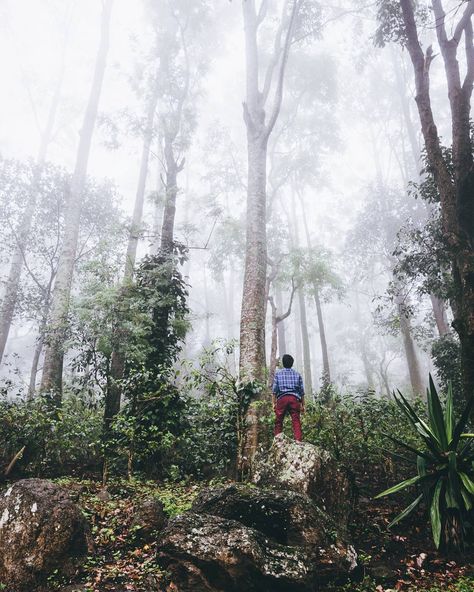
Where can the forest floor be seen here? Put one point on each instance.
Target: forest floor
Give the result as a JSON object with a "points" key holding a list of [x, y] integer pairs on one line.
{"points": [[403, 560]]}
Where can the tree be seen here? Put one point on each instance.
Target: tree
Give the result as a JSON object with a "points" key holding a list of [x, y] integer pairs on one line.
{"points": [[252, 323], [51, 381], [10, 297], [456, 186]]}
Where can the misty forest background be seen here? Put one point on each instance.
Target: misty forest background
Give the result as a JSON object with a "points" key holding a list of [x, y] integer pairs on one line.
{"points": [[189, 190]]}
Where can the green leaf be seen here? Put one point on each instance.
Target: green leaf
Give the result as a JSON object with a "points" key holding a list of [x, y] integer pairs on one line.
{"points": [[436, 416], [435, 514], [450, 497], [408, 510], [400, 486], [449, 415], [467, 482], [467, 499], [408, 447]]}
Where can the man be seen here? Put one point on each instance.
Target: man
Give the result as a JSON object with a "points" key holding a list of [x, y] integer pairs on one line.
{"points": [[288, 397]]}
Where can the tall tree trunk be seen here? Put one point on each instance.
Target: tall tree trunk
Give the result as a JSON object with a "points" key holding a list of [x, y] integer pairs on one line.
{"points": [[40, 341], [280, 326], [113, 392], [326, 378], [8, 307], [439, 312], [308, 382], [252, 324], [140, 193], [274, 344], [410, 350], [298, 353], [57, 331]]}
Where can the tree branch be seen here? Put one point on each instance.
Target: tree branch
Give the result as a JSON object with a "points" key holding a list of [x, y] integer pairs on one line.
{"points": [[281, 74], [282, 317], [464, 22]]}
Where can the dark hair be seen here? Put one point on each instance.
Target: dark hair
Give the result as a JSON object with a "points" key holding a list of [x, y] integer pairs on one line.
{"points": [[287, 361]]}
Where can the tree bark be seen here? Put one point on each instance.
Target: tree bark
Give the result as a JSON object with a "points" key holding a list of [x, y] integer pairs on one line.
{"points": [[308, 382], [416, 381], [141, 186], [439, 312], [57, 331], [326, 378], [281, 326]]}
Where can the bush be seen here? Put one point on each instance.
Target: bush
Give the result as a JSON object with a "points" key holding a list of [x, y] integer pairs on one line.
{"points": [[352, 429], [68, 444]]}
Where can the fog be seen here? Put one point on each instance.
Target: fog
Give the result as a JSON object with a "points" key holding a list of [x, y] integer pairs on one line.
{"points": [[342, 158]]}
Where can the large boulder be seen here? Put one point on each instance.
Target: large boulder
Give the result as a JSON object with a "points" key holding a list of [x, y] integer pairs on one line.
{"points": [[242, 538], [41, 531], [148, 518], [307, 469]]}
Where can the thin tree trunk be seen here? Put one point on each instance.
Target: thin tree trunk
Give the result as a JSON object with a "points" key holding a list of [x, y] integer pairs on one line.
{"points": [[439, 312], [14, 276], [169, 212], [326, 378], [57, 331], [113, 392], [281, 326], [308, 382], [410, 351], [140, 194], [40, 342]]}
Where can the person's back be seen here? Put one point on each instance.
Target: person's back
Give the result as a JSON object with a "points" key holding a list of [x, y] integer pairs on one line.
{"points": [[288, 397]]}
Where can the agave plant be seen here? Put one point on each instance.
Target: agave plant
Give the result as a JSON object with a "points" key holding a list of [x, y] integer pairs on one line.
{"points": [[445, 467]]}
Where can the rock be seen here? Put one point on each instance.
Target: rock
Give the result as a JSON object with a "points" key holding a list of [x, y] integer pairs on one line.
{"points": [[307, 469], [148, 518], [41, 531], [242, 538], [287, 517]]}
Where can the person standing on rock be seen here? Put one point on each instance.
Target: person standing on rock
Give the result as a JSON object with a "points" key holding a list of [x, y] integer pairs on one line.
{"points": [[288, 397]]}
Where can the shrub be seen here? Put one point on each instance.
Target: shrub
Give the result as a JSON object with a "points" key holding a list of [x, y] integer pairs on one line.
{"points": [[445, 467], [54, 445]]}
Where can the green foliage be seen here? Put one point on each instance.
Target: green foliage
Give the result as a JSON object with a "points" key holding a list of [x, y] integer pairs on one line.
{"points": [[446, 356], [352, 430], [68, 443], [216, 407], [445, 467]]}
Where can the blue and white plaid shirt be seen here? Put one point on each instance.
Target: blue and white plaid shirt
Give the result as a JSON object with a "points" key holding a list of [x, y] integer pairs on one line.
{"points": [[288, 382]]}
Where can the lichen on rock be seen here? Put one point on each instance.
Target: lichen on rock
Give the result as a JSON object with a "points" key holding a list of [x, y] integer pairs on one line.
{"points": [[43, 527]]}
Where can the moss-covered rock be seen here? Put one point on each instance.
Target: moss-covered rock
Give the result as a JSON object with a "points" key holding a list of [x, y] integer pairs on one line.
{"points": [[243, 538], [309, 470]]}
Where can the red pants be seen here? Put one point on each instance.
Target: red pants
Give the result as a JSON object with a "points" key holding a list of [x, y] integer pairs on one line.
{"points": [[288, 404]]}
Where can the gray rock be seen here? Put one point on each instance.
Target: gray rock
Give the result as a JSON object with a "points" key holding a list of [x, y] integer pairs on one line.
{"points": [[243, 538], [148, 518], [41, 531], [306, 469]]}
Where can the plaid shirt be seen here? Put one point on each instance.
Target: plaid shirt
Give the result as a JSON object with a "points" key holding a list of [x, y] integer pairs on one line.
{"points": [[288, 382]]}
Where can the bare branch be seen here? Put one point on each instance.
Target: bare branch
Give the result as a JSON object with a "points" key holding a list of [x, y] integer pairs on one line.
{"points": [[282, 317], [464, 22], [469, 45], [281, 74]]}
